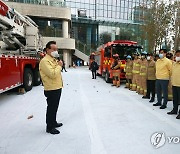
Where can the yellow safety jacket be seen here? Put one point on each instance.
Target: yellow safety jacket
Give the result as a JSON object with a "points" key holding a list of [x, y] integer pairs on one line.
{"points": [[143, 68], [128, 69], [116, 68], [151, 70], [136, 66]]}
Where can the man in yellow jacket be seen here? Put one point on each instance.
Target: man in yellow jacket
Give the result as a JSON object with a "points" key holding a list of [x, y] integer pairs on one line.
{"points": [[163, 73], [175, 78], [151, 77], [170, 96], [50, 71]]}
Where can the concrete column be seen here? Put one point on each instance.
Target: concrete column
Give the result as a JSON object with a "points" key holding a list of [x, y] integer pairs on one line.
{"points": [[65, 29], [113, 34], [67, 57], [70, 58]]}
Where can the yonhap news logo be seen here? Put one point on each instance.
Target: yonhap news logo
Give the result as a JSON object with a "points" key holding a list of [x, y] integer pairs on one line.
{"points": [[159, 139]]}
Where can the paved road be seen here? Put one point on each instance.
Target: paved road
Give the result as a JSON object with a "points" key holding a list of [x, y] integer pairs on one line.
{"points": [[97, 118]]}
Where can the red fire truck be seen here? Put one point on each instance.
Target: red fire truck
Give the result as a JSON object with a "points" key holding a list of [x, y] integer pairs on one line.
{"points": [[104, 56], [20, 43]]}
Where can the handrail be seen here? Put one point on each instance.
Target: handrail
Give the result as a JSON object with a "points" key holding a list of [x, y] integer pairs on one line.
{"points": [[84, 48]]}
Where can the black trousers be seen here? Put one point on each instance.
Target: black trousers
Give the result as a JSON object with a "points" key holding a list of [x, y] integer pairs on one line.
{"points": [[151, 84], [53, 97], [94, 74], [176, 98], [162, 87], [63, 68]]}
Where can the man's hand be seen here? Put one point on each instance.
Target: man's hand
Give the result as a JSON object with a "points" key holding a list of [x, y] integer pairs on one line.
{"points": [[60, 63]]}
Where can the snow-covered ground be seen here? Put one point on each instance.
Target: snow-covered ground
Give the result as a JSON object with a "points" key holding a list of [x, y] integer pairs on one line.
{"points": [[97, 118]]}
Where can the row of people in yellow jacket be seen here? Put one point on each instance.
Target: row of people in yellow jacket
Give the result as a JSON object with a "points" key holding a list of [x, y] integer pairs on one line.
{"points": [[144, 75], [140, 73]]}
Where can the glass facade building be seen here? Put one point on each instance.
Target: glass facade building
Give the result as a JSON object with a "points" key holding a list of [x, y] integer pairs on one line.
{"points": [[57, 3], [49, 27], [96, 22], [108, 10]]}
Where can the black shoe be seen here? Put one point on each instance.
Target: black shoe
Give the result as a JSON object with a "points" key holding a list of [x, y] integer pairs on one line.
{"points": [[157, 104], [59, 125], [92, 78], [178, 117], [146, 97], [163, 107], [152, 100], [53, 131], [172, 112]]}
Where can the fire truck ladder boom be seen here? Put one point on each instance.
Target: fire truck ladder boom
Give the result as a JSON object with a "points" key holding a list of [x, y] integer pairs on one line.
{"points": [[18, 32]]}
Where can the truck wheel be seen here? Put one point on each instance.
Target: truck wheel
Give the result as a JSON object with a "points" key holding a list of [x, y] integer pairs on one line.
{"points": [[28, 79], [37, 78], [107, 77]]}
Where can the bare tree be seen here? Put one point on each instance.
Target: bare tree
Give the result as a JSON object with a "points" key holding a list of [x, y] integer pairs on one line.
{"points": [[176, 26], [105, 37], [157, 19]]}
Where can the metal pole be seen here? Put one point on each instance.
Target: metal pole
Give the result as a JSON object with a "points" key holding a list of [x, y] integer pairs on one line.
{"points": [[95, 9]]}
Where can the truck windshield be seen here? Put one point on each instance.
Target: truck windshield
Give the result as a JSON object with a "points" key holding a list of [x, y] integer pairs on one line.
{"points": [[125, 50]]}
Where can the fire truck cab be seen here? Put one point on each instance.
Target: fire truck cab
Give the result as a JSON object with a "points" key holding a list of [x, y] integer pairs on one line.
{"points": [[104, 56]]}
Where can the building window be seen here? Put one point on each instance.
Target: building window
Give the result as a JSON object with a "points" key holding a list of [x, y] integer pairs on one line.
{"points": [[49, 27]]}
